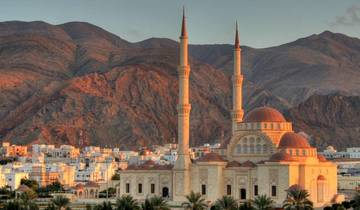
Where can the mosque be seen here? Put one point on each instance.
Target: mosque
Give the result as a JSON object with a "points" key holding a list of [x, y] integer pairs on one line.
{"points": [[264, 155]]}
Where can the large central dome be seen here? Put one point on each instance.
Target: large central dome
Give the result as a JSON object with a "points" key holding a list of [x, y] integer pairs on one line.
{"points": [[264, 114]]}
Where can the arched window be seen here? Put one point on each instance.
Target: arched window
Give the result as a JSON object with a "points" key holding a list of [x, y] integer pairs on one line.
{"points": [[321, 188], [238, 148], [165, 192], [252, 140], [252, 148], [245, 149], [265, 148], [258, 148], [258, 140], [242, 194]]}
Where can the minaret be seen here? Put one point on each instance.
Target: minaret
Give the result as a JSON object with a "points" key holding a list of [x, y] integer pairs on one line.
{"points": [[182, 164], [237, 79]]}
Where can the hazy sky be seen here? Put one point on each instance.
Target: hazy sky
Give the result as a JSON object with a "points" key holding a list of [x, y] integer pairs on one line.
{"points": [[262, 23]]}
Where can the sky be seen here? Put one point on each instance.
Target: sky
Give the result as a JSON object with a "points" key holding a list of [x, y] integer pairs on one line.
{"points": [[262, 23]]}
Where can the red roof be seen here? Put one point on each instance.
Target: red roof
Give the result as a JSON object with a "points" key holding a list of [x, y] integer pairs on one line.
{"points": [[211, 157], [293, 140], [264, 114], [233, 164], [79, 186], [91, 184], [280, 156]]}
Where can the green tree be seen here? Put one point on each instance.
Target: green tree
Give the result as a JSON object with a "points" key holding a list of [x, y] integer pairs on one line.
{"points": [[12, 205], [22, 203], [246, 206], [127, 202], [263, 202], [346, 204], [355, 202], [297, 199], [226, 203], [155, 203], [33, 184], [116, 176], [51, 206], [61, 202], [103, 206], [195, 201]]}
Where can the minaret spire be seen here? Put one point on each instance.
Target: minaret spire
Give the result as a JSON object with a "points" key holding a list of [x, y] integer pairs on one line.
{"points": [[237, 45], [182, 164], [237, 79], [183, 25]]}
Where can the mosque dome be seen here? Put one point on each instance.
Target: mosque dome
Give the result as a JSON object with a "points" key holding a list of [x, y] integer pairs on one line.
{"points": [[264, 114], [293, 140]]}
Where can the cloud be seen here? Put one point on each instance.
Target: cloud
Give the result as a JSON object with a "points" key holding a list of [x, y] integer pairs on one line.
{"points": [[350, 18]]}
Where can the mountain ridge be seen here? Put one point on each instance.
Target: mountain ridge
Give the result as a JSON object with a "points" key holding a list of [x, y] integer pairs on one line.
{"points": [[92, 86]]}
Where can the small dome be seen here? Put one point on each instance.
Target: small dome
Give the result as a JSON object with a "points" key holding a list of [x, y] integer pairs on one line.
{"points": [[293, 140], [280, 156], [211, 157], [264, 114]]}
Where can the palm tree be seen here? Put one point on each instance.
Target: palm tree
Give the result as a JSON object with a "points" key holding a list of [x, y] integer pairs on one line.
{"points": [[246, 206], [263, 202], [26, 202], [50, 206], [297, 199], [195, 202], [60, 202], [127, 202], [226, 203], [355, 202], [103, 206], [12, 205], [155, 203]]}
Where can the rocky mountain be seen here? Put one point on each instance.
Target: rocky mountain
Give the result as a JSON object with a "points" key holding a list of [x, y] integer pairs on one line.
{"points": [[77, 83], [319, 64], [329, 120]]}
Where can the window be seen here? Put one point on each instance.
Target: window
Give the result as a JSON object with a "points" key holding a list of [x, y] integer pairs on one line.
{"points": [[203, 189], [140, 188], [228, 189], [242, 194], [273, 191], [258, 148], [127, 188], [256, 190], [152, 188], [238, 149]]}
